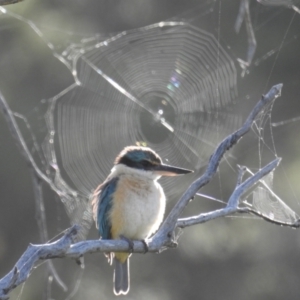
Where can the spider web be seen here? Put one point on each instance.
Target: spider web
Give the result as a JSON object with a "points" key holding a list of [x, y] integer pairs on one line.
{"points": [[173, 86], [263, 200], [159, 86], [170, 86], [153, 86]]}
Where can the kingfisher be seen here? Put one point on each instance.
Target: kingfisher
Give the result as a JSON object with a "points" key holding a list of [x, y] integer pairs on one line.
{"points": [[130, 204]]}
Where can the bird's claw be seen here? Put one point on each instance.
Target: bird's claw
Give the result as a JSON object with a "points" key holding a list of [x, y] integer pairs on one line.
{"points": [[146, 248], [130, 243]]}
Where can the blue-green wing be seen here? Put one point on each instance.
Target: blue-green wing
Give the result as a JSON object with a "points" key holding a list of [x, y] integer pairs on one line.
{"points": [[105, 198]]}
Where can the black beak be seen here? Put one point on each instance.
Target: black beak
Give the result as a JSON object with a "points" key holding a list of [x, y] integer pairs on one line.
{"points": [[165, 170]]}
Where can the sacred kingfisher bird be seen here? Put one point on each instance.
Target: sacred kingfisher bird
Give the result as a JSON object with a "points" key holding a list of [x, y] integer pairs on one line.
{"points": [[130, 203]]}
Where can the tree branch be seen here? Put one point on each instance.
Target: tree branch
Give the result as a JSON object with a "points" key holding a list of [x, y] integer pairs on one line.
{"points": [[171, 220], [40, 216], [36, 174], [233, 202], [244, 14], [7, 2], [23, 267], [63, 248], [17, 135]]}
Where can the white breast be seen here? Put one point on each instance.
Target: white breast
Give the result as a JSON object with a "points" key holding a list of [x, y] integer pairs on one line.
{"points": [[142, 207], [144, 210]]}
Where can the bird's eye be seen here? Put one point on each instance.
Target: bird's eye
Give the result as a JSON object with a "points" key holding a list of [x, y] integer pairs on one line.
{"points": [[146, 163]]}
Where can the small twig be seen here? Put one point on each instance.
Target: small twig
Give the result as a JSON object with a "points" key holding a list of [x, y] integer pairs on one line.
{"points": [[249, 210], [244, 14], [240, 16], [40, 216], [251, 181], [7, 2], [242, 170], [17, 135], [37, 175]]}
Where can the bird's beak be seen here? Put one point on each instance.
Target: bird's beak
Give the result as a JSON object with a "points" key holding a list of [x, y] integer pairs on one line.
{"points": [[165, 170]]}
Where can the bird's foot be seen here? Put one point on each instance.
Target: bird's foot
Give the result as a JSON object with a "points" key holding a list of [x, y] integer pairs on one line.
{"points": [[130, 243], [146, 248]]}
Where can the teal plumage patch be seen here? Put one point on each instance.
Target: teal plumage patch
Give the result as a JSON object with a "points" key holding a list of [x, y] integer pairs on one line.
{"points": [[105, 199]]}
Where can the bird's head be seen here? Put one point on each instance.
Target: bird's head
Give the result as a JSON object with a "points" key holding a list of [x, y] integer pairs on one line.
{"points": [[145, 159]]}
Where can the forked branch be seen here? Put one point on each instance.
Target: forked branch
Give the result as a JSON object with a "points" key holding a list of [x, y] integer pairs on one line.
{"points": [[65, 248]]}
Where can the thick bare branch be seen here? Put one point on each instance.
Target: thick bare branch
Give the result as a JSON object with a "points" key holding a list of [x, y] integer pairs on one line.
{"points": [[63, 248]]}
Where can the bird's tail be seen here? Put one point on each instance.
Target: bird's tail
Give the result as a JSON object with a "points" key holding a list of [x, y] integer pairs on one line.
{"points": [[121, 277]]}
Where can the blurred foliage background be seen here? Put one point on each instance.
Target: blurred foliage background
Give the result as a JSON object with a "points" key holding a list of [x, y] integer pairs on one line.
{"points": [[230, 258]]}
